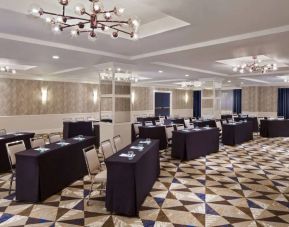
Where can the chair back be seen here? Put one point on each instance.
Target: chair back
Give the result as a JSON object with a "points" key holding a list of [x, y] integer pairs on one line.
{"points": [[136, 127], [180, 127], [91, 160], [187, 123], [219, 125], [54, 138], [3, 132], [169, 132], [79, 119], [90, 118], [149, 123], [158, 122], [106, 148], [162, 120], [230, 120], [281, 117], [117, 143], [37, 142], [13, 148]]}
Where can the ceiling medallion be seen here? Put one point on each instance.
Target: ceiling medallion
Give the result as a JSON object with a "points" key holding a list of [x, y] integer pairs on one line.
{"points": [[89, 21], [6, 69], [255, 67]]}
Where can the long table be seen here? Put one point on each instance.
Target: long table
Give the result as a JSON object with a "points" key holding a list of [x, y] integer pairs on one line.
{"points": [[42, 174], [237, 133], [253, 119], [189, 144], [274, 128], [204, 123], [4, 161], [154, 132], [85, 128], [130, 181]]}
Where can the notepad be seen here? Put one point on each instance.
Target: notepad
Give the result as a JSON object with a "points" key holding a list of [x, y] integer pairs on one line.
{"points": [[41, 149], [197, 129], [63, 143], [145, 142], [127, 155], [79, 138], [136, 148]]}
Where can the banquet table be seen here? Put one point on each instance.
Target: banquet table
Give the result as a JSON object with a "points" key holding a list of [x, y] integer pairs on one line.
{"points": [[129, 181], [4, 161], [253, 119], [237, 133], [204, 123], [274, 128], [189, 144], [40, 174], [226, 116], [144, 119], [154, 132]]}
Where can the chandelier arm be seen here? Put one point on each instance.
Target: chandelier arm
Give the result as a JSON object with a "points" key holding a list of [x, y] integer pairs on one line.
{"points": [[112, 21], [116, 29], [71, 25], [68, 17]]}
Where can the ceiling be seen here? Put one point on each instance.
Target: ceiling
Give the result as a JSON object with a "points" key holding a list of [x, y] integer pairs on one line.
{"points": [[184, 37]]}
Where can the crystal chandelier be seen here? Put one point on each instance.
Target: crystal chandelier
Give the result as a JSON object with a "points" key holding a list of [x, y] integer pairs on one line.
{"points": [[122, 77], [89, 21], [256, 66], [189, 84], [6, 69]]}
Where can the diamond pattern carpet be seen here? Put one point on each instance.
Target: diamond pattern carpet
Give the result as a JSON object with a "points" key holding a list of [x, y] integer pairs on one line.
{"points": [[246, 185]]}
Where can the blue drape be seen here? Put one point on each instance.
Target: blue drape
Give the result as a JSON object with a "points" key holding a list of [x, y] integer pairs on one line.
{"points": [[197, 103], [283, 102], [237, 101]]}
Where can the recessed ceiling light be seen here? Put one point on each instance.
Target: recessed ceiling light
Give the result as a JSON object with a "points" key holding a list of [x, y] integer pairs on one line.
{"points": [[187, 75], [229, 81], [55, 57], [160, 71]]}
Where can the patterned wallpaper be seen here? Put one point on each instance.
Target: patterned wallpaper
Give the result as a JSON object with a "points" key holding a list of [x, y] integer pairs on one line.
{"points": [[23, 97], [259, 99], [144, 98]]}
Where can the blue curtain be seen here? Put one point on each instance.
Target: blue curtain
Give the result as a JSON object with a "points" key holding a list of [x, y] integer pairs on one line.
{"points": [[283, 102], [197, 103], [237, 101]]}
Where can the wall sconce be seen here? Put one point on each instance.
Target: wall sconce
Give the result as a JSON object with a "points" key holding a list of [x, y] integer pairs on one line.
{"points": [[186, 98], [132, 97], [44, 95], [95, 96]]}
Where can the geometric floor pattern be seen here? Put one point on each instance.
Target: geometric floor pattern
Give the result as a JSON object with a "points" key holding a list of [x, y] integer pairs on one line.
{"points": [[246, 185]]}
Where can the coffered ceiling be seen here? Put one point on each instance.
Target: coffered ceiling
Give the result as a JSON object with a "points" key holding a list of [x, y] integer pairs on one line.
{"points": [[184, 37]]}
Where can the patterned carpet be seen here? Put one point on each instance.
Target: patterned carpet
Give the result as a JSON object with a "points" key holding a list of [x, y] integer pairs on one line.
{"points": [[246, 185]]}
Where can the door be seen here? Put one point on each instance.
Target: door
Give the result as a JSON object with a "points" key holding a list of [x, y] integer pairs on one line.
{"points": [[162, 103]]}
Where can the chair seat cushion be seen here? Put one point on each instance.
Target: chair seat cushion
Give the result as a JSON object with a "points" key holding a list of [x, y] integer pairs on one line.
{"points": [[101, 176]]}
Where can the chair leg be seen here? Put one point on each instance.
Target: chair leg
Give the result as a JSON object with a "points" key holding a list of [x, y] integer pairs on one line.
{"points": [[87, 202], [11, 181]]}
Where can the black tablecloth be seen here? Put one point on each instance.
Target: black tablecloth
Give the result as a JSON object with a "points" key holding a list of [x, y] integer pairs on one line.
{"points": [[178, 121], [4, 161], [204, 123], [253, 119], [144, 119], [40, 175], [190, 144], [154, 132], [237, 133], [274, 128], [85, 128], [130, 181]]}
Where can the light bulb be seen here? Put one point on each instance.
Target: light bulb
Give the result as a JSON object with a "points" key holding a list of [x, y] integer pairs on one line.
{"points": [[74, 32], [107, 15], [118, 11], [2, 69], [63, 2], [242, 71], [114, 35], [59, 19], [235, 69], [134, 36], [79, 9], [56, 29], [48, 20], [13, 71], [35, 10]]}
